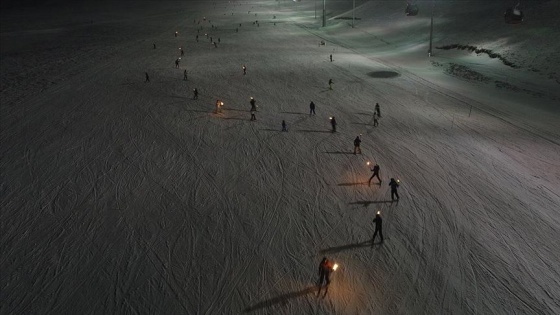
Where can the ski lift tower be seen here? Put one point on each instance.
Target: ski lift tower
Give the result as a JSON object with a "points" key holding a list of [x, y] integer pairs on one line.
{"points": [[431, 29], [324, 13]]}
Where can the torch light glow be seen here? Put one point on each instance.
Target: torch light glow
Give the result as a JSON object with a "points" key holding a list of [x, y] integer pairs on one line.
{"points": [[335, 267], [367, 163], [330, 118], [378, 212]]}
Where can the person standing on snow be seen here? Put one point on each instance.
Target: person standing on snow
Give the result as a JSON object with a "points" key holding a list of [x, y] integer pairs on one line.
{"points": [[333, 124], [244, 70], [375, 171], [253, 104], [311, 108], [147, 77], [195, 92], [331, 57], [377, 110], [325, 269], [378, 227], [330, 84], [185, 75], [357, 142], [284, 126], [218, 105], [177, 61], [394, 193]]}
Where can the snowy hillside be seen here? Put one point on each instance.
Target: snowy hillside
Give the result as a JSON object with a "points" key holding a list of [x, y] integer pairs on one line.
{"points": [[125, 196]]}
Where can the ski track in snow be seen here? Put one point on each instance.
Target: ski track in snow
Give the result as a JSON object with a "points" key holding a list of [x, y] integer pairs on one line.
{"points": [[120, 196]]}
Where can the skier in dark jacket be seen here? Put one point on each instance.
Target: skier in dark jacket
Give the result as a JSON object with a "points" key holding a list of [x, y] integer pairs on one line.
{"points": [[333, 124], [325, 269], [375, 171], [357, 142], [195, 94], [330, 84], [253, 104], [147, 77], [377, 110], [378, 227], [311, 108], [284, 126], [394, 185]]}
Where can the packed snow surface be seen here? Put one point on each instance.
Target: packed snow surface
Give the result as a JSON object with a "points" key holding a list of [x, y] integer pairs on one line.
{"points": [[125, 196]]}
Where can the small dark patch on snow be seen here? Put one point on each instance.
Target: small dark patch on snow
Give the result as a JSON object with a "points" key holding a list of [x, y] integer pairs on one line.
{"points": [[383, 74]]}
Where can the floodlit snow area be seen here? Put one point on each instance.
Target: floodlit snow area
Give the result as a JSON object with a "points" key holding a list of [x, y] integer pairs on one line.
{"points": [[125, 196]]}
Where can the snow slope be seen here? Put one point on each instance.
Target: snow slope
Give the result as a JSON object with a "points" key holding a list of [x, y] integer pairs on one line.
{"points": [[120, 196]]}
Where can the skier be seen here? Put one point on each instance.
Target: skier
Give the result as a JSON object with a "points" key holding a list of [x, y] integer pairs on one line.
{"points": [[147, 77], [182, 51], [284, 126], [185, 75], [311, 108], [195, 92], [197, 38], [377, 110], [177, 63], [218, 104], [394, 193], [331, 57], [330, 84], [253, 104], [215, 45], [375, 119], [378, 227], [244, 70], [175, 34], [219, 40], [375, 171], [325, 269], [154, 46], [357, 142], [333, 124]]}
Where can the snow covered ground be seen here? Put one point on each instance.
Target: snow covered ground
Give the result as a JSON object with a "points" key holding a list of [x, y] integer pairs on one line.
{"points": [[120, 196]]}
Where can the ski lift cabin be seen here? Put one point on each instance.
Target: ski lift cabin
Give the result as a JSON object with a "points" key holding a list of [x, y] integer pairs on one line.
{"points": [[513, 16], [411, 9]]}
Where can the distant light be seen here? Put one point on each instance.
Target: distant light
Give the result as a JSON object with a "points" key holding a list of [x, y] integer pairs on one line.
{"points": [[378, 212], [398, 181], [367, 163], [330, 118]]}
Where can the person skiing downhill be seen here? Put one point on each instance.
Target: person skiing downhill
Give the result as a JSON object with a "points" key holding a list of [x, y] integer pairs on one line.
{"points": [[185, 75], [377, 109], [147, 77], [311, 108], [333, 124], [375, 171], [195, 94], [325, 269], [244, 70], [378, 227], [331, 57], [394, 193], [330, 84], [357, 142], [284, 126], [177, 61]]}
